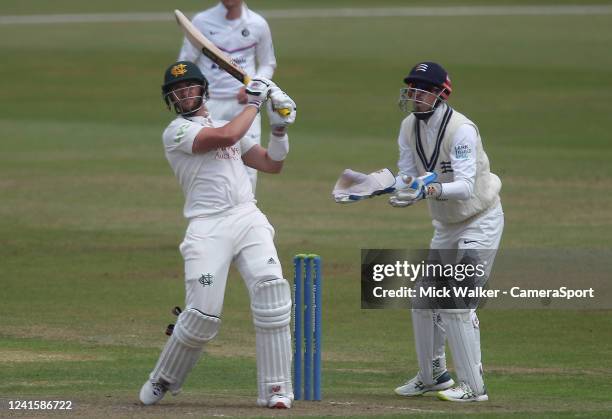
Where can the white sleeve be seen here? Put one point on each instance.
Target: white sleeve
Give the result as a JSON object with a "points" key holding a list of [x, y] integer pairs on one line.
{"points": [[246, 143], [264, 51], [463, 162], [406, 163], [188, 52], [180, 135]]}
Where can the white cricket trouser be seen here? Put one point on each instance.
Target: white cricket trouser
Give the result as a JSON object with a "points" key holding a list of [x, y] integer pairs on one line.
{"points": [[242, 235], [482, 235], [226, 110], [481, 232]]}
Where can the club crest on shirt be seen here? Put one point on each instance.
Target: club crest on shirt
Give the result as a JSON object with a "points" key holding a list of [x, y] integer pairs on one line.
{"points": [[245, 32], [462, 151], [228, 153], [445, 167], [206, 279]]}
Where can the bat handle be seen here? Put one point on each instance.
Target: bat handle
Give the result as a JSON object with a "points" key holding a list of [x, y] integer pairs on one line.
{"points": [[281, 111]]}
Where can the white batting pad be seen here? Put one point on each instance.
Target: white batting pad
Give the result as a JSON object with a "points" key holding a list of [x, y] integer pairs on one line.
{"points": [[183, 349], [476, 324], [439, 345], [423, 326], [463, 345], [271, 307]]}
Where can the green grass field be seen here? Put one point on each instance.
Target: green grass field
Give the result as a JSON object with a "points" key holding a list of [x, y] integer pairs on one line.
{"points": [[90, 213]]}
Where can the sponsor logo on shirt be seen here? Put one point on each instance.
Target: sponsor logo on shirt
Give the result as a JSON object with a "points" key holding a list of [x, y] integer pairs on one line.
{"points": [[228, 153], [239, 61], [462, 151], [180, 133]]}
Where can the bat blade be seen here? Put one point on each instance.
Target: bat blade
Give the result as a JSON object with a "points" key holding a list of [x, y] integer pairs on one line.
{"points": [[209, 49]]}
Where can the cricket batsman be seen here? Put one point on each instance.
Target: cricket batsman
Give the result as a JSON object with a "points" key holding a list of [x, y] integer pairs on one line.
{"points": [[442, 161], [245, 36], [209, 158]]}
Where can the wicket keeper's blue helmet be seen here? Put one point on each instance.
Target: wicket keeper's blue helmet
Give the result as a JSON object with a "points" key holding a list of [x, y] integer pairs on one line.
{"points": [[427, 74]]}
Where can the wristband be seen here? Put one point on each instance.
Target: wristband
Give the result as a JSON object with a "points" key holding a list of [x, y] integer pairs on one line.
{"points": [[278, 147]]}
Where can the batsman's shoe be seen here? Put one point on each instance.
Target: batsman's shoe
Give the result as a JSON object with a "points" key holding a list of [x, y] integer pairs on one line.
{"points": [[151, 392], [462, 393], [278, 401], [416, 387]]}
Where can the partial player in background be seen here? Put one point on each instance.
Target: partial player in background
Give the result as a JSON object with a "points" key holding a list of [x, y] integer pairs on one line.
{"points": [[245, 36], [209, 157], [442, 160]]}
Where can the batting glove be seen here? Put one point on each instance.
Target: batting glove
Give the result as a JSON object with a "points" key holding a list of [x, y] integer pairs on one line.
{"points": [[282, 111], [257, 91]]}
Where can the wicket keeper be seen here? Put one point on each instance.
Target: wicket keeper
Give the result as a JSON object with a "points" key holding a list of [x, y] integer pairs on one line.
{"points": [[441, 160]]}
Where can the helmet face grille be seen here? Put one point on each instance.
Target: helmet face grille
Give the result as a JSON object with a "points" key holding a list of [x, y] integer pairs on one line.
{"points": [[183, 71], [180, 98], [420, 101]]}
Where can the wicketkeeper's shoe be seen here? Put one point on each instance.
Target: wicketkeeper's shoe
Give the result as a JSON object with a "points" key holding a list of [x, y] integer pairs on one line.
{"points": [[416, 387], [151, 392], [462, 393], [278, 401]]}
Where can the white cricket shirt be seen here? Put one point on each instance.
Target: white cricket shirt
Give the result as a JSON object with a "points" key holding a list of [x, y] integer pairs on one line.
{"points": [[247, 40], [450, 145], [464, 168], [212, 182]]}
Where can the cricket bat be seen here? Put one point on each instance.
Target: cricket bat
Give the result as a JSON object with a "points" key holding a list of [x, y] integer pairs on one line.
{"points": [[217, 56]]}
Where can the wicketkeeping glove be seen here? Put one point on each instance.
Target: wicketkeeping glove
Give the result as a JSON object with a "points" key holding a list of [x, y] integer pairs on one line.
{"points": [[257, 91], [417, 188], [355, 186]]}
